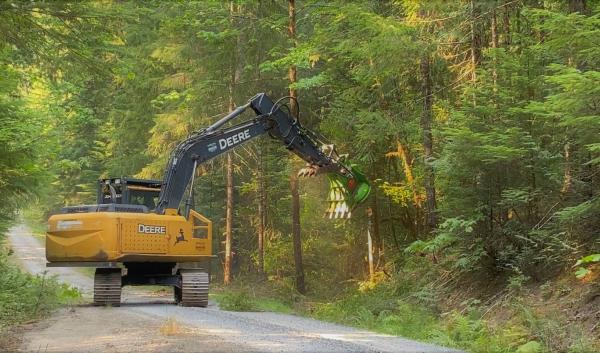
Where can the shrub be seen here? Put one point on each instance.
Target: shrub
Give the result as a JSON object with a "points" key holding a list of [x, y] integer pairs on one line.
{"points": [[25, 297], [236, 301]]}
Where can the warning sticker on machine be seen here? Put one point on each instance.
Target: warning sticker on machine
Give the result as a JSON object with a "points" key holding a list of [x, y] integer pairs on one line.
{"points": [[149, 229]]}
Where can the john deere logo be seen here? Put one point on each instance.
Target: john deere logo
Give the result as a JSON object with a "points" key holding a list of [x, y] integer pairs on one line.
{"points": [[234, 139], [212, 147], [180, 237], [146, 229]]}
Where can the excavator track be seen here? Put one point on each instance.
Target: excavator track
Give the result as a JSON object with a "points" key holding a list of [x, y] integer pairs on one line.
{"points": [[107, 286], [194, 288]]}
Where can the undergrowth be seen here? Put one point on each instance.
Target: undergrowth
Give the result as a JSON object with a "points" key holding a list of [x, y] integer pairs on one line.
{"points": [[238, 300], [407, 308], [36, 220], [25, 297]]}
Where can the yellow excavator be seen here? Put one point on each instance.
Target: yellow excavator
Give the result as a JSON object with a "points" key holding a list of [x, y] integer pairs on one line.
{"points": [[142, 232]]}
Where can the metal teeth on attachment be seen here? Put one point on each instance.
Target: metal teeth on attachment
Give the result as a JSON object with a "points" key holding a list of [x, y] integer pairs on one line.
{"points": [[308, 171], [338, 208], [347, 188]]}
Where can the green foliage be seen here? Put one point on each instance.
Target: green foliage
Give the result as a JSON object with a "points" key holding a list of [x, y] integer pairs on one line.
{"points": [[25, 297], [517, 280], [379, 311], [93, 89], [582, 271], [588, 259], [474, 335], [236, 301], [530, 347], [272, 305], [446, 235], [499, 137], [435, 245], [244, 296]]}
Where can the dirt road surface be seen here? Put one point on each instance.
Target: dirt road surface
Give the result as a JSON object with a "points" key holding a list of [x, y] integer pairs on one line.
{"points": [[148, 321]]}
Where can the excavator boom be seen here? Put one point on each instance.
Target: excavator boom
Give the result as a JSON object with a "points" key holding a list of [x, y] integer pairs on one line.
{"points": [[351, 186]]}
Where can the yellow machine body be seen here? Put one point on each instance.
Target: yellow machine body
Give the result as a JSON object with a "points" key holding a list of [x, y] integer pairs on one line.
{"points": [[128, 237]]}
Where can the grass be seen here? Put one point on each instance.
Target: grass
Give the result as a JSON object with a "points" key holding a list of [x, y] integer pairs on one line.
{"points": [[392, 317], [236, 301], [24, 297], [243, 298], [273, 305]]}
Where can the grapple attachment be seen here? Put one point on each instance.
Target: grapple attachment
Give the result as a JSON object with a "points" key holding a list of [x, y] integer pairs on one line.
{"points": [[348, 187]]}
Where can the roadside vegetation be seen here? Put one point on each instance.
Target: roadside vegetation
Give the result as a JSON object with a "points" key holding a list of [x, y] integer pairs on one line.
{"points": [[519, 318], [25, 297], [477, 123]]}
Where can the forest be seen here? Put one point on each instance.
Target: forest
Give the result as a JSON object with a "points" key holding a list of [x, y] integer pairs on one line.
{"points": [[477, 123]]}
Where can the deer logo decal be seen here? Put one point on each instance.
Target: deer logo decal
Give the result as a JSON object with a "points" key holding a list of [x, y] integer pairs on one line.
{"points": [[180, 237]]}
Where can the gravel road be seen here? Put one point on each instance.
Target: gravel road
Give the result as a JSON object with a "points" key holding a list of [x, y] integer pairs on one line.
{"points": [[149, 322]]}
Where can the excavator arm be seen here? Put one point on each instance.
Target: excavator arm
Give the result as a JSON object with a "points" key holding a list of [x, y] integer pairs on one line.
{"points": [[349, 185]]}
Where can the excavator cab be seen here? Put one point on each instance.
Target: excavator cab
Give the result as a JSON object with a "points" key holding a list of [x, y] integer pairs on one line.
{"points": [[129, 191]]}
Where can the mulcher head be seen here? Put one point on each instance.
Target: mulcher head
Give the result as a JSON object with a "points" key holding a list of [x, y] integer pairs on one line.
{"points": [[348, 187], [346, 191]]}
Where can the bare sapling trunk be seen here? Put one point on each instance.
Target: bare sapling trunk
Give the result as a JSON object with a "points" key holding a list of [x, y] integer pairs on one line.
{"points": [[261, 213], [228, 221], [297, 240], [229, 187]]}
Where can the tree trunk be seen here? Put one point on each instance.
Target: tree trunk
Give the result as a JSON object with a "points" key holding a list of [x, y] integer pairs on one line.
{"points": [[495, 43], [506, 21], [426, 121], [370, 254], [567, 179], [292, 72], [297, 240], [574, 6], [407, 166], [228, 220], [378, 241], [261, 212], [475, 39], [229, 202], [410, 180], [494, 29], [370, 243]]}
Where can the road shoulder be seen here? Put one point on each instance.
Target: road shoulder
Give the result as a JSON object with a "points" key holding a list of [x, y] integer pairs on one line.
{"points": [[116, 330]]}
